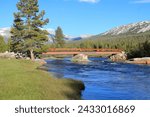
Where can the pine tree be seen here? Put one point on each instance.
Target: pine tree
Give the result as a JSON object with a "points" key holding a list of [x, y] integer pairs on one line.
{"points": [[17, 32], [29, 23], [3, 46], [59, 37]]}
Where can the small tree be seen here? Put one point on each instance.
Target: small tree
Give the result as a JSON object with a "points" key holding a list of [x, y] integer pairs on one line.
{"points": [[59, 37], [3, 46]]}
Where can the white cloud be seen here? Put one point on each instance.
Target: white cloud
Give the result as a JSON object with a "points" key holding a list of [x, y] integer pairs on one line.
{"points": [[141, 1], [90, 1]]}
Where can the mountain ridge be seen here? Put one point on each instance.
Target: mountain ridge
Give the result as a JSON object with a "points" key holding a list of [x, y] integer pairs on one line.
{"points": [[5, 32], [133, 28]]}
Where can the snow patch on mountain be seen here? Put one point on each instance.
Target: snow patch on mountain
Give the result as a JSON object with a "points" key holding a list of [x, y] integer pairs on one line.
{"points": [[130, 28], [86, 36], [144, 29]]}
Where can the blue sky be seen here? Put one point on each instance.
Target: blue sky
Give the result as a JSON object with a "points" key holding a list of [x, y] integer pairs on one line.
{"points": [[78, 17]]}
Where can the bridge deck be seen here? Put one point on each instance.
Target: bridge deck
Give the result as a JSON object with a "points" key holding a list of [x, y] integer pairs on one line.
{"points": [[88, 51], [82, 50]]}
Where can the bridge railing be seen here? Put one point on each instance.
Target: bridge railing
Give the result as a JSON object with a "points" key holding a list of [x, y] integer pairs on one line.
{"points": [[83, 50]]}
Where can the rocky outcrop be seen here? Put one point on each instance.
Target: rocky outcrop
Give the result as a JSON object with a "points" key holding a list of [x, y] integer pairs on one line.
{"points": [[119, 57], [80, 58], [12, 55], [8, 55], [144, 60]]}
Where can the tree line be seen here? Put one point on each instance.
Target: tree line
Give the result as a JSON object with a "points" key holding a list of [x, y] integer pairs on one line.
{"points": [[135, 45]]}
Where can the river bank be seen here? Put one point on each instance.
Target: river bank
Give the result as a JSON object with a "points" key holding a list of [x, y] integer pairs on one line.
{"points": [[20, 80]]}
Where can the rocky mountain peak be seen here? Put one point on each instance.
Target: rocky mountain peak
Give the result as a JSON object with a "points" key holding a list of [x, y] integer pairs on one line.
{"points": [[130, 28]]}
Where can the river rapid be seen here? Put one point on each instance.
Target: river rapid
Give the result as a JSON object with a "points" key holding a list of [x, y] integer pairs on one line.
{"points": [[106, 80]]}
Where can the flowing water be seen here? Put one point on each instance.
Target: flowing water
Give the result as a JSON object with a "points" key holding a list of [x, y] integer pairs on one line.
{"points": [[105, 80]]}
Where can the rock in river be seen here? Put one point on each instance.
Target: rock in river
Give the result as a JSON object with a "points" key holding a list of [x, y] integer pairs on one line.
{"points": [[80, 58], [119, 57], [144, 60]]}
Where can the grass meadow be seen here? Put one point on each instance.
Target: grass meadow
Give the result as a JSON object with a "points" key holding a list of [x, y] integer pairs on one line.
{"points": [[20, 80]]}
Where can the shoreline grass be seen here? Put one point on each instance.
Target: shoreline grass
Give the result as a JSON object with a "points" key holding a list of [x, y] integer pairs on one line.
{"points": [[20, 80]]}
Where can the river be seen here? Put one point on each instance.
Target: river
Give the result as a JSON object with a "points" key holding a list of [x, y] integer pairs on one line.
{"points": [[106, 80]]}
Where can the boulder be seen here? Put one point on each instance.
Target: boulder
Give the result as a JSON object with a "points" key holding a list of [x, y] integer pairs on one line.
{"points": [[20, 56], [8, 55], [80, 58], [144, 60], [27, 58], [119, 57]]}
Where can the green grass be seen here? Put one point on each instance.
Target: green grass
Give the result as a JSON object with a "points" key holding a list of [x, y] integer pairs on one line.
{"points": [[20, 80]]}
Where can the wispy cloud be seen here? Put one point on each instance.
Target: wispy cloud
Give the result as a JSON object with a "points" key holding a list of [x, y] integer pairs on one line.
{"points": [[141, 1], [89, 1]]}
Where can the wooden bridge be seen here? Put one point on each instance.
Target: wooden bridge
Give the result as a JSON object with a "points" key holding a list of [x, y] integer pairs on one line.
{"points": [[87, 51]]}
